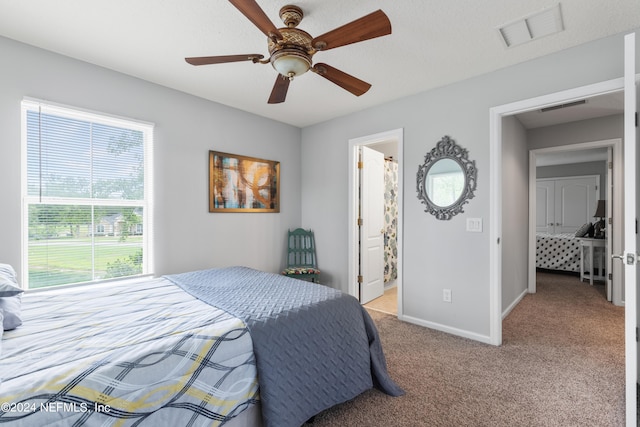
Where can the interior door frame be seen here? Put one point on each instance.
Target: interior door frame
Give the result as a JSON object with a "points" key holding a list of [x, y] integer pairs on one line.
{"points": [[397, 136], [496, 115], [617, 197]]}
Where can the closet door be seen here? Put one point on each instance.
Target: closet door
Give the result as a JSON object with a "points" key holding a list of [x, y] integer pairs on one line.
{"points": [[545, 202], [575, 203], [565, 204]]}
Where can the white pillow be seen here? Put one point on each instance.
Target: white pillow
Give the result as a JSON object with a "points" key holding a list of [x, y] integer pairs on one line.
{"points": [[8, 283], [10, 310]]}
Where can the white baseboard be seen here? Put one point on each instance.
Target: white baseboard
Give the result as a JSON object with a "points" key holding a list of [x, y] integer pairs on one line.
{"points": [[514, 303], [443, 328]]}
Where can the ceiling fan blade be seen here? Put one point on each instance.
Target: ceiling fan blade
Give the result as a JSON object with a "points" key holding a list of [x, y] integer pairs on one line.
{"points": [[374, 25], [342, 79], [279, 91], [206, 60], [255, 14]]}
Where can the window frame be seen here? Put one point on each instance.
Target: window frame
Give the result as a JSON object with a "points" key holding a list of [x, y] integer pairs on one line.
{"points": [[147, 129]]}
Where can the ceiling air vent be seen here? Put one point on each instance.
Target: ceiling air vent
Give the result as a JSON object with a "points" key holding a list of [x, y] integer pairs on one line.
{"points": [[559, 106], [532, 27]]}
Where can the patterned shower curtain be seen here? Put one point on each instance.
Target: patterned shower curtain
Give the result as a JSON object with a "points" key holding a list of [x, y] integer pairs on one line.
{"points": [[391, 220]]}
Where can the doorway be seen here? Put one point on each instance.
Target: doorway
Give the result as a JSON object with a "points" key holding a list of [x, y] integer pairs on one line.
{"points": [[582, 156], [497, 114], [387, 145]]}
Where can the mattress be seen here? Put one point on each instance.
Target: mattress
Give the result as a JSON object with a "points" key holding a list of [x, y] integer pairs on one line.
{"points": [[129, 353], [188, 349]]}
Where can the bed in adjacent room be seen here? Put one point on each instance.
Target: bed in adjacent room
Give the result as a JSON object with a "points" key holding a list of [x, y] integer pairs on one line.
{"points": [[232, 346], [558, 252]]}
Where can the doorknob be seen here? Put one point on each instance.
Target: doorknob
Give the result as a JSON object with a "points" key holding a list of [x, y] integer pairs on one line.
{"points": [[630, 258]]}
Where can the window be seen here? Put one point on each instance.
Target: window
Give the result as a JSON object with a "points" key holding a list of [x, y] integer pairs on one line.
{"points": [[445, 187], [86, 196]]}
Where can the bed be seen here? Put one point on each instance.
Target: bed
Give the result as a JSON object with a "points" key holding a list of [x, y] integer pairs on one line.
{"points": [[558, 252], [231, 346]]}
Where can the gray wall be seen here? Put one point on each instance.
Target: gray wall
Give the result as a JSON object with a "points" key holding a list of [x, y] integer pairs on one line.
{"points": [[515, 212], [438, 254], [187, 236], [576, 132], [577, 169]]}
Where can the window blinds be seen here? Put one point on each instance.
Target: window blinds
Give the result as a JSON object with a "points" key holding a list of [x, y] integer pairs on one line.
{"points": [[87, 195]]}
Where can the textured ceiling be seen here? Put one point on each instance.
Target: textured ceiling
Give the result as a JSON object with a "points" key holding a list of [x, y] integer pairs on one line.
{"points": [[434, 43]]}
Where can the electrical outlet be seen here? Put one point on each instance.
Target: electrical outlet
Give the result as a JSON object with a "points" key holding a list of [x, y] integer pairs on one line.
{"points": [[446, 295]]}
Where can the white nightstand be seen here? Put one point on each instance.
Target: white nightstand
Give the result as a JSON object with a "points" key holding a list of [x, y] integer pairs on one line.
{"points": [[601, 246]]}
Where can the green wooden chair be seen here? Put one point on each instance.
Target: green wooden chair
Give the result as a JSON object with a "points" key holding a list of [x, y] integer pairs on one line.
{"points": [[301, 256]]}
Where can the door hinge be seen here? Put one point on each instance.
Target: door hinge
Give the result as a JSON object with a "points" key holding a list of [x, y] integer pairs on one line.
{"points": [[610, 165], [360, 279], [610, 221], [360, 165], [636, 334], [360, 222], [610, 276]]}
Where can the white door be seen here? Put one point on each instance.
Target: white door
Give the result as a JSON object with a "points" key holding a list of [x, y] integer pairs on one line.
{"points": [[545, 202], [576, 201], [372, 227], [629, 257], [564, 204]]}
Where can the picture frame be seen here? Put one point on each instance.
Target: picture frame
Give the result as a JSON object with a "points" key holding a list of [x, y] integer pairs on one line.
{"points": [[243, 184]]}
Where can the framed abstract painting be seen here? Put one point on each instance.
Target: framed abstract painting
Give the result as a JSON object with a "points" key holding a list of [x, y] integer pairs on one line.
{"points": [[243, 184]]}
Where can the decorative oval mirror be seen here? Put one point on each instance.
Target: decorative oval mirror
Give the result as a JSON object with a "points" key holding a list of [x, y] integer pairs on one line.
{"points": [[446, 180]]}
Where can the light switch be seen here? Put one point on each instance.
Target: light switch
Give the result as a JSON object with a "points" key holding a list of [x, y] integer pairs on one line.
{"points": [[474, 225]]}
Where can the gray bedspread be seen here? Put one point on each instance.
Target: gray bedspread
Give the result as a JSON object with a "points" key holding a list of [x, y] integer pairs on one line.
{"points": [[315, 347]]}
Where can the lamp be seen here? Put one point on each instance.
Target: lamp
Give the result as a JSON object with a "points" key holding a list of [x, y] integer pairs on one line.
{"points": [[291, 62], [599, 227]]}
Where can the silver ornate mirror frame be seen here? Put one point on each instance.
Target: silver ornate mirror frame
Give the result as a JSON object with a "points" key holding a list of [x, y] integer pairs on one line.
{"points": [[447, 148]]}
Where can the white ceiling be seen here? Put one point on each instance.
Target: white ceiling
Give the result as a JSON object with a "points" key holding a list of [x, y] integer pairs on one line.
{"points": [[434, 43]]}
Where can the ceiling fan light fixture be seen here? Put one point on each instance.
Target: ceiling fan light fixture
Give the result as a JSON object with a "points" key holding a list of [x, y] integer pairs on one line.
{"points": [[291, 49], [291, 62]]}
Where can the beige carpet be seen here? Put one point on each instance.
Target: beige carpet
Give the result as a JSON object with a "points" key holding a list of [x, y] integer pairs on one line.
{"points": [[561, 364]]}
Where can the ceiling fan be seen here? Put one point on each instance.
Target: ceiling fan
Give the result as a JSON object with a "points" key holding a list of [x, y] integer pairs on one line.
{"points": [[292, 49]]}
